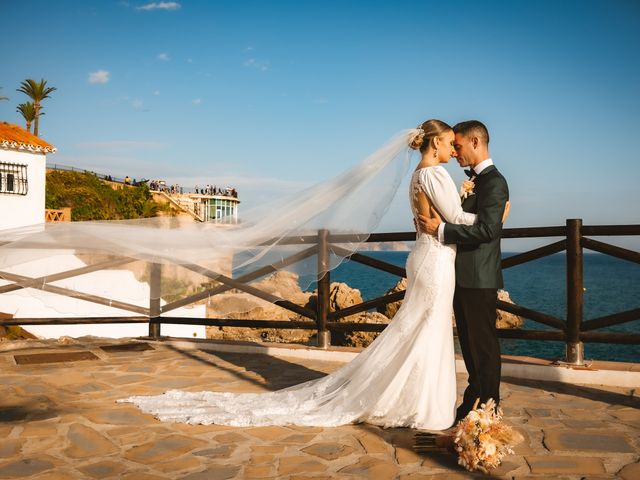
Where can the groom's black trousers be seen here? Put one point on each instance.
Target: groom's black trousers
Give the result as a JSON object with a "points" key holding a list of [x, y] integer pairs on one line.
{"points": [[475, 310]]}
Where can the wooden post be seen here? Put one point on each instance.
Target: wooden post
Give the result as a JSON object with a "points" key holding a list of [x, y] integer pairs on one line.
{"points": [[575, 293], [324, 284], [154, 299]]}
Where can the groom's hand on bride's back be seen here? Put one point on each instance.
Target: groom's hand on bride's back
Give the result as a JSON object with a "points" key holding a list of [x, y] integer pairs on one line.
{"points": [[430, 225]]}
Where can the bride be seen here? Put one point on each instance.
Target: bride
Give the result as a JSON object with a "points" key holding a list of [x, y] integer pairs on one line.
{"points": [[406, 377]]}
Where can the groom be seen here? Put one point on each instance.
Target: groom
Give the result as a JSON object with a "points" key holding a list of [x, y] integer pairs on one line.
{"points": [[478, 269]]}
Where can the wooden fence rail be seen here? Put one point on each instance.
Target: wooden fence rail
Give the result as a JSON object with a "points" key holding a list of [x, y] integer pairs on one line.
{"points": [[573, 330]]}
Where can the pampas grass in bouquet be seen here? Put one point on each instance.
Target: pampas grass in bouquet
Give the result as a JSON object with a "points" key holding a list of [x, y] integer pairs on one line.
{"points": [[482, 439]]}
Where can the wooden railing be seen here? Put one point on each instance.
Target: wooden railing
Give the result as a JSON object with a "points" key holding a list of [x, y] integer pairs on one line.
{"points": [[573, 330], [61, 215]]}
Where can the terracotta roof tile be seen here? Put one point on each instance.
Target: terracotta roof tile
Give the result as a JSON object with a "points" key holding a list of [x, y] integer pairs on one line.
{"points": [[14, 137]]}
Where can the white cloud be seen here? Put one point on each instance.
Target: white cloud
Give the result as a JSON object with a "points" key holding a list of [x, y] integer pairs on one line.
{"points": [[137, 104], [197, 101], [99, 76], [163, 56], [189, 60], [262, 65], [160, 6], [156, 92]]}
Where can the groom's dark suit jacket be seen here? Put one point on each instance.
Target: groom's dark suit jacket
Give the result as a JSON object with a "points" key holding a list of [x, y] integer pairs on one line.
{"points": [[478, 258]]}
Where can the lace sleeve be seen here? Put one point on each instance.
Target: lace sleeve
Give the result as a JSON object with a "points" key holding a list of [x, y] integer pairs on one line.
{"points": [[439, 187]]}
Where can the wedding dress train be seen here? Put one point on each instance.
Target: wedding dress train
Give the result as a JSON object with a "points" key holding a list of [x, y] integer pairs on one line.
{"points": [[405, 378]]}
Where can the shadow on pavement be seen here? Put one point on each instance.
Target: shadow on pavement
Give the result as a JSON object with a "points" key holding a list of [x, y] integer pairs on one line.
{"points": [[31, 409], [277, 373], [583, 391], [404, 440]]}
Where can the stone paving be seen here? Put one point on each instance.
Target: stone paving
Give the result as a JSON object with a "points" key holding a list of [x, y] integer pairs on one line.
{"points": [[59, 420]]}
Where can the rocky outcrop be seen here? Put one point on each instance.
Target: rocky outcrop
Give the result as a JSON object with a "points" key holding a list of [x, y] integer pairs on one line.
{"points": [[363, 339], [390, 309], [341, 296], [503, 320], [243, 306]]}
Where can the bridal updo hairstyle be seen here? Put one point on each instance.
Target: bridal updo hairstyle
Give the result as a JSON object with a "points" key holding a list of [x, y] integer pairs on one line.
{"points": [[431, 129]]}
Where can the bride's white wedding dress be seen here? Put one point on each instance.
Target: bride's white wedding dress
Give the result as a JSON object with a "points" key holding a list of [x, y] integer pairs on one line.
{"points": [[405, 378]]}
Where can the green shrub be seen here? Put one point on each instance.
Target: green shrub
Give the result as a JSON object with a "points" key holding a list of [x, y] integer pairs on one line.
{"points": [[91, 199]]}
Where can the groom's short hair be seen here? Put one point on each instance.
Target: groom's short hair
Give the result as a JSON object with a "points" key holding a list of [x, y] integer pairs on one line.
{"points": [[473, 128]]}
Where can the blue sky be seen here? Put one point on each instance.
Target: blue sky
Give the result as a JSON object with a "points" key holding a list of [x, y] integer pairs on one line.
{"points": [[272, 96]]}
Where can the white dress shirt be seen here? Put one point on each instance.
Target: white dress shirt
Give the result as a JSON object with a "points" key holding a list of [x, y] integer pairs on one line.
{"points": [[477, 170]]}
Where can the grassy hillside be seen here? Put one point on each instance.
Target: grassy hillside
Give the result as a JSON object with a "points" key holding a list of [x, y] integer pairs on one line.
{"points": [[91, 199]]}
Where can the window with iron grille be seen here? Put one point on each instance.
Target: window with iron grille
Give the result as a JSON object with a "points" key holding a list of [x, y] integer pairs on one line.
{"points": [[13, 179]]}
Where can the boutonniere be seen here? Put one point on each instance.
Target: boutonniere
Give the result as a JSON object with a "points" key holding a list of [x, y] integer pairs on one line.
{"points": [[467, 189]]}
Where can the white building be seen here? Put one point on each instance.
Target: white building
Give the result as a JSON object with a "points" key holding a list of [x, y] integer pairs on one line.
{"points": [[22, 204], [222, 209], [22, 177]]}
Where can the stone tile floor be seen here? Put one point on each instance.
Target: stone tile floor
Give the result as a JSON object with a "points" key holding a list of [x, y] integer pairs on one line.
{"points": [[60, 421]]}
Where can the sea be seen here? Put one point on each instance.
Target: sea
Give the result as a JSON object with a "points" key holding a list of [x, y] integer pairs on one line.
{"points": [[612, 285]]}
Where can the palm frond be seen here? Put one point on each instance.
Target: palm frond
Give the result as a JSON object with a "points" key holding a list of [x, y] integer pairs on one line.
{"points": [[37, 91], [28, 111]]}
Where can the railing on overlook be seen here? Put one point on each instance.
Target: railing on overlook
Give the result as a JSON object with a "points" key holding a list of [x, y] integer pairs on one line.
{"points": [[573, 330]]}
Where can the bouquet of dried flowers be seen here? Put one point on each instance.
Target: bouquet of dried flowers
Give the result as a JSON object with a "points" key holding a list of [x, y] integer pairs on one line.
{"points": [[482, 439]]}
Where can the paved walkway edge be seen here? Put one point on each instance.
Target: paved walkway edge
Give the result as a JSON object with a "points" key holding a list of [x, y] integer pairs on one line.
{"points": [[518, 367], [564, 374]]}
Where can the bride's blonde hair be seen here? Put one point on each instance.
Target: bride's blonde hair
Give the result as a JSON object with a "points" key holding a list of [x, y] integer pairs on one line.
{"points": [[429, 130]]}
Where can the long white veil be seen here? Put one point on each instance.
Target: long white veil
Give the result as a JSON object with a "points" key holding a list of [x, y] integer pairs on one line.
{"points": [[352, 203]]}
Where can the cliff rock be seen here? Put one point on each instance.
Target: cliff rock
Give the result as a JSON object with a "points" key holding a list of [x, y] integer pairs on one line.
{"points": [[243, 306], [390, 309], [363, 339], [503, 320]]}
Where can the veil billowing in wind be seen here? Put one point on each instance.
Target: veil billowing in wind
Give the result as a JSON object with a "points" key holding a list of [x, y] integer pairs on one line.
{"points": [[351, 203]]}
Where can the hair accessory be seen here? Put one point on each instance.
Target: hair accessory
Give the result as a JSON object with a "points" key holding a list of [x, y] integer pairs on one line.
{"points": [[419, 137]]}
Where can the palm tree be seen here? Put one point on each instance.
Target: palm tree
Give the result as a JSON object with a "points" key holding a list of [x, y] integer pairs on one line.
{"points": [[37, 91], [28, 111]]}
